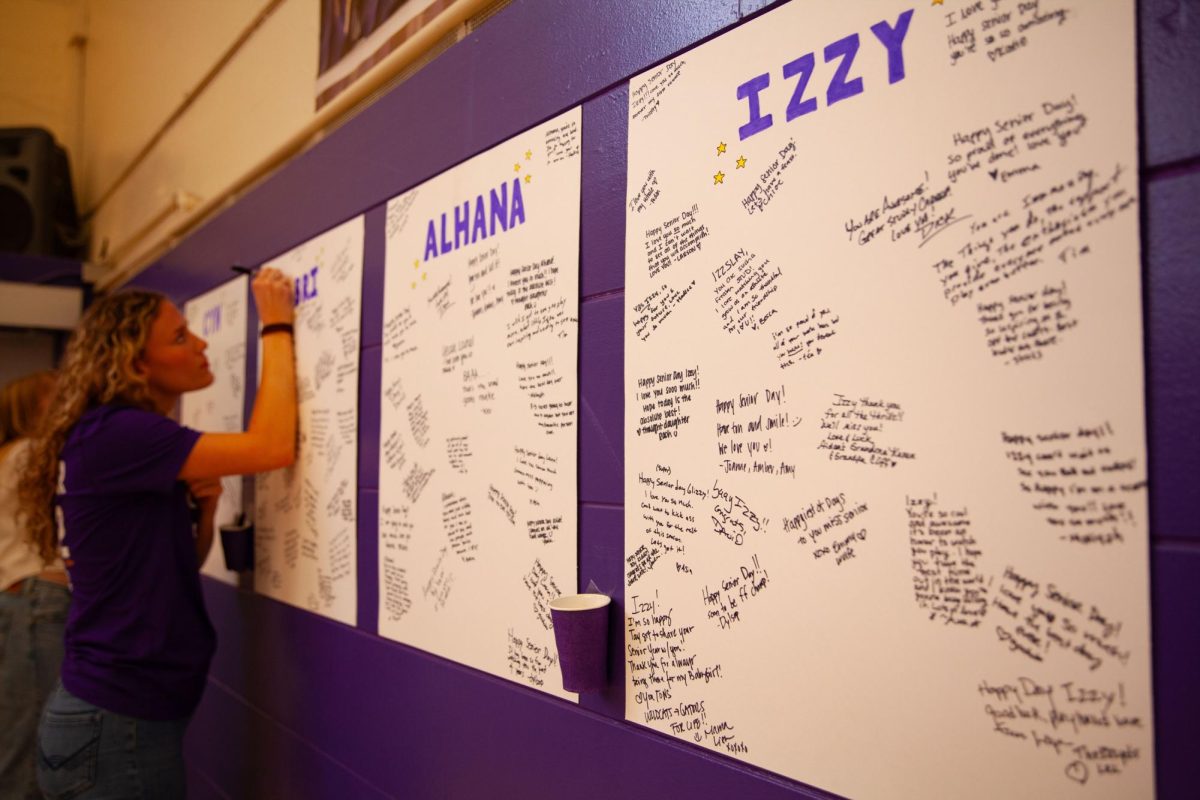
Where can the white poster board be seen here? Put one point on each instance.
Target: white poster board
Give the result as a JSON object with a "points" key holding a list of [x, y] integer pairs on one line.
{"points": [[477, 518], [886, 523], [219, 317], [306, 516]]}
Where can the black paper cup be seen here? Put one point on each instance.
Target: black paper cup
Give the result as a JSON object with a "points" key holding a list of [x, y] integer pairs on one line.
{"points": [[238, 546]]}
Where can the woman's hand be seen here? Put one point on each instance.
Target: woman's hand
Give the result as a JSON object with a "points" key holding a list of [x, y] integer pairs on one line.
{"points": [[273, 296], [206, 492]]}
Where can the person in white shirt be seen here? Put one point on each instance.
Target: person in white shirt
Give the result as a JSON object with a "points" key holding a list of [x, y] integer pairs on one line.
{"points": [[34, 598]]}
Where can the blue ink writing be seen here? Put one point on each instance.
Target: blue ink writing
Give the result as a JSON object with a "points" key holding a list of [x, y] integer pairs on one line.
{"points": [[306, 286], [839, 88], [470, 222], [212, 321], [802, 66], [749, 91], [841, 85]]}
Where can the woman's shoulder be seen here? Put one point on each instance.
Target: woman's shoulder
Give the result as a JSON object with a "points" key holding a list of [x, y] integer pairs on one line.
{"points": [[118, 424], [123, 448], [119, 413]]}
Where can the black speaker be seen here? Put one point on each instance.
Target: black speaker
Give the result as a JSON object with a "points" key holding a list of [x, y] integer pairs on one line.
{"points": [[37, 203]]}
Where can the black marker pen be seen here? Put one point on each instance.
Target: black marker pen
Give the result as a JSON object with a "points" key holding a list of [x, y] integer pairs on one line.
{"points": [[240, 270]]}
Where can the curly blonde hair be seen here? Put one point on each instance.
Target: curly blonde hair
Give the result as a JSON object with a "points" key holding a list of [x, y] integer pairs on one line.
{"points": [[20, 404], [98, 368]]}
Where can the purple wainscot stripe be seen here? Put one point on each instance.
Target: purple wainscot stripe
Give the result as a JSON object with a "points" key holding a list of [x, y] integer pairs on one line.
{"points": [[1176, 603], [601, 559], [601, 401], [374, 245], [1173, 369], [368, 561], [1169, 58], [370, 370], [603, 193], [368, 480]]}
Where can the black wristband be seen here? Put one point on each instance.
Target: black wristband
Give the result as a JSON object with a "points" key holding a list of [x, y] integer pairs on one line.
{"points": [[277, 327]]}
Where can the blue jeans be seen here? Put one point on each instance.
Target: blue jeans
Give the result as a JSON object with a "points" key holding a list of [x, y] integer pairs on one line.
{"points": [[31, 652], [88, 753]]}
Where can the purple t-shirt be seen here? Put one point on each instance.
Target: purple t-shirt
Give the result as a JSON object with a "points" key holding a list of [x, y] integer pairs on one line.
{"points": [[138, 639]]}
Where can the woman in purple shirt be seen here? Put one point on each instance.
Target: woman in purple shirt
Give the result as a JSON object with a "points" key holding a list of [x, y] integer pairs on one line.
{"points": [[107, 489]]}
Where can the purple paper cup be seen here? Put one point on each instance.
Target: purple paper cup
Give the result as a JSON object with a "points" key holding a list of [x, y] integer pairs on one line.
{"points": [[581, 633], [238, 546]]}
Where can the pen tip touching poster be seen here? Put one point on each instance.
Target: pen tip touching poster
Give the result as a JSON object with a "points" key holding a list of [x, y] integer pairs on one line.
{"points": [[306, 516], [886, 466]]}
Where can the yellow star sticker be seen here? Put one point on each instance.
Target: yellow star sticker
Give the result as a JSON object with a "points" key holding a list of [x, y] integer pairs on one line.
{"points": [[414, 284], [741, 162], [422, 276], [718, 178], [721, 148], [937, 2], [528, 154], [528, 178], [416, 263], [517, 167]]}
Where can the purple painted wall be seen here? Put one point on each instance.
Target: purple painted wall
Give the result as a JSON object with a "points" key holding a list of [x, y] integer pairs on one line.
{"points": [[301, 707]]}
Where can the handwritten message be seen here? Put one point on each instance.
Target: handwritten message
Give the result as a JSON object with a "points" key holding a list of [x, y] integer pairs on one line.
{"points": [[746, 427], [829, 526], [770, 181], [998, 28], [1002, 148], [528, 660], [456, 520], [552, 318], [562, 142], [531, 282], [437, 589], [657, 306], [1086, 725], [804, 339], [727, 599], [647, 195], [674, 240], [1041, 620], [668, 510], [542, 588], [742, 287], [458, 453], [1085, 492], [669, 678], [1026, 324], [851, 425], [947, 581], [1048, 223], [922, 211], [646, 99], [663, 398]]}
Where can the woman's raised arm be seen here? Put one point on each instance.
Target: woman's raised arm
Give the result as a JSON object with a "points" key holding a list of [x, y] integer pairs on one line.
{"points": [[270, 439]]}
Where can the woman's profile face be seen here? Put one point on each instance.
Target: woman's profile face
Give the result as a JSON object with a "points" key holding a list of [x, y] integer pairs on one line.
{"points": [[173, 360]]}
